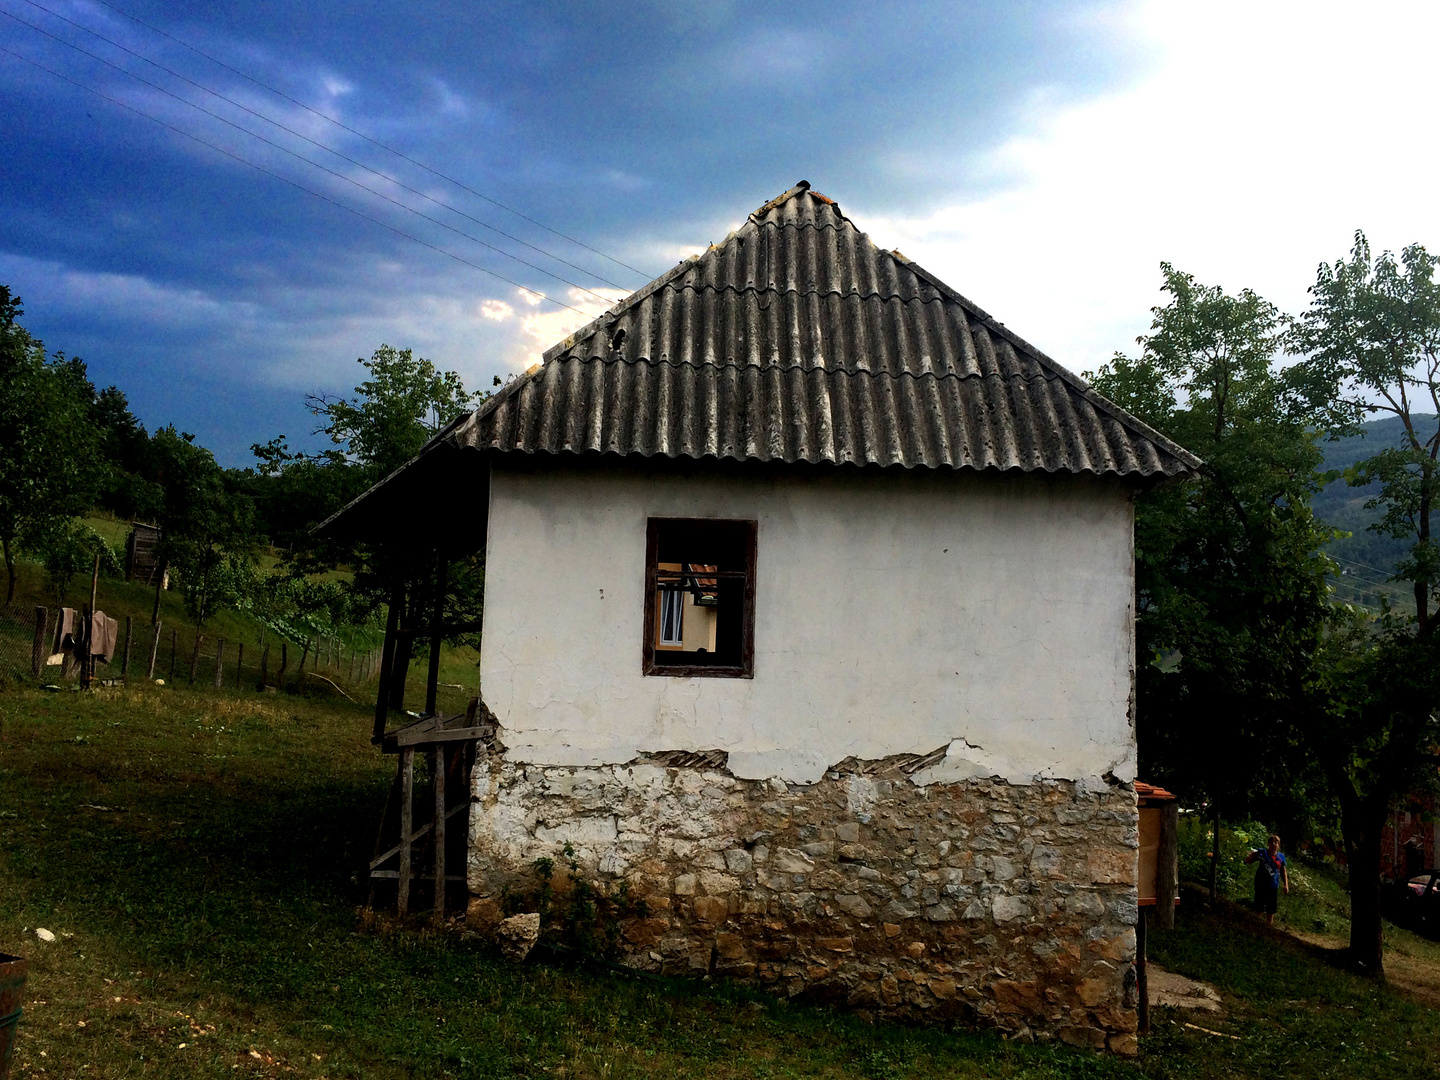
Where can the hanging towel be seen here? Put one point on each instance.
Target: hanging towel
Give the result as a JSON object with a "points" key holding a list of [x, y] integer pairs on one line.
{"points": [[102, 637]]}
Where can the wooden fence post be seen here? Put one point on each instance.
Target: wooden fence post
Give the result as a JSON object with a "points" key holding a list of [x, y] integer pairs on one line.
{"points": [[352, 664], [125, 656], [284, 663], [195, 658], [219, 662], [174, 650], [154, 648], [37, 648], [264, 666], [239, 663]]}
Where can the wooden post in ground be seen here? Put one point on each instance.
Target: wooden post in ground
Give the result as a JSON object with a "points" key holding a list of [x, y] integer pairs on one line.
{"points": [[174, 650], [87, 668], [195, 658], [154, 649], [239, 663], [432, 678], [1142, 981], [306, 652], [264, 666], [1167, 865], [37, 648], [407, 779], [352, 664], [125, 656], [437, 770], [219, 662], [82, 645], [382, 696], [284, 663]]}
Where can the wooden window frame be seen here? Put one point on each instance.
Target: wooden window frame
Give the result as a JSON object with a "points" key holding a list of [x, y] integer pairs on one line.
{"points": [[652, 660]]}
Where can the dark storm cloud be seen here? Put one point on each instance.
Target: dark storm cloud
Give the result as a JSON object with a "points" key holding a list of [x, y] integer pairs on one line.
{"points": [[215, 294]]}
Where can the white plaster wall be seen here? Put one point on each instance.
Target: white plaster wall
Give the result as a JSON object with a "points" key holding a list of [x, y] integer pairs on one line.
{"points": [[895, 613]]}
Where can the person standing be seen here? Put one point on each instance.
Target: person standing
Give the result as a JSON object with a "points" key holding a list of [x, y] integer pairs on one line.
{"points": [[1270, 874]]}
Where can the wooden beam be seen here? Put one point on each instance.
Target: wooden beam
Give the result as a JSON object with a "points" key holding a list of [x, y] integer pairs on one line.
{"points": [[1167, 865], [432, 679], [154, 649], [407, 780], [219, 662], [437, 768], [419, 834], [387, 656], [442, 736]]}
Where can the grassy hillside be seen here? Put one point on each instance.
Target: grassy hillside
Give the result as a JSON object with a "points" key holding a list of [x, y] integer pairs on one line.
{"points": [[198, 857], [121, 599]]}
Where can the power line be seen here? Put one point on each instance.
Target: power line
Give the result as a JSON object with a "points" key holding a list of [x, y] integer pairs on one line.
{"points": [[292, 183], [301, 135], [374, 142], [300, 157]]}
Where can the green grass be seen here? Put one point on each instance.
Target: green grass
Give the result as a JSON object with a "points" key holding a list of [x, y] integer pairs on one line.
{"points": [[197, 856]]}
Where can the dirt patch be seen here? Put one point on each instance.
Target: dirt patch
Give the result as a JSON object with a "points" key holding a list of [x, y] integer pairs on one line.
{"points": [[1414, 975], [1171, 991]]}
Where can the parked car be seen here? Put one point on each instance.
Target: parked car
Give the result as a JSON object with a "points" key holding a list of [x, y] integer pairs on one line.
{"points": [[1415, 903]]}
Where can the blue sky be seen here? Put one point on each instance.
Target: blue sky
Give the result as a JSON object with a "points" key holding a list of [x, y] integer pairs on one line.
{"points": [[1041, 157]]}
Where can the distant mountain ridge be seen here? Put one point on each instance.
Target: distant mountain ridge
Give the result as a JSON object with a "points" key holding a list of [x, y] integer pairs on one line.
{"points": [[1342, 506]]}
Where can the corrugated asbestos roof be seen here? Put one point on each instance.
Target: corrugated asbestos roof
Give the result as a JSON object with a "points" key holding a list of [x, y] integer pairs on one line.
{"points": [[797, 339]]}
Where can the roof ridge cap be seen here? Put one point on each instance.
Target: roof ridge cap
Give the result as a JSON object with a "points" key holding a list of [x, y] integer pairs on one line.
{"points": [[779, 200]]}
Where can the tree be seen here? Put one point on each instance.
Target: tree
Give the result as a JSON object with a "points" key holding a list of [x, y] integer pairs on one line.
{"points": [[1372, 335], [70, 548], [403, 402], [1230, 583], [50, 460], [206, 525]]}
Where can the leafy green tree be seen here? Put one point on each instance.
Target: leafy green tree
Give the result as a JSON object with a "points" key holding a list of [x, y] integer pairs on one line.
{"points": [[206, 523], [125, 446], [1372, 334], [405, 400], [1230, 583], [69, 549], [50, 464]]}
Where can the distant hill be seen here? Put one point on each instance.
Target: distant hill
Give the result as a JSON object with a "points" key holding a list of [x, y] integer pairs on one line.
{"points": [[1344, 507]]}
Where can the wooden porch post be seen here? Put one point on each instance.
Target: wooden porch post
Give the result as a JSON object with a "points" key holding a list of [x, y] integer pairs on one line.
{"points": [[442, 566], [407, 778], [438, 771], [392, 622]]}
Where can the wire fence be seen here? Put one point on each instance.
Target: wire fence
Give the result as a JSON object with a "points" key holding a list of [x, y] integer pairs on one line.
{"points": [[180, 655]]}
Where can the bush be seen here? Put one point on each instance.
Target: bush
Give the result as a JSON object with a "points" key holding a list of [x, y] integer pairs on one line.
{"points": [[1232, 876], [69, 550]]}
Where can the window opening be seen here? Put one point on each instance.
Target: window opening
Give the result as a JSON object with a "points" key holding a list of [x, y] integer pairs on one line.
{"points": [[700, 606]]}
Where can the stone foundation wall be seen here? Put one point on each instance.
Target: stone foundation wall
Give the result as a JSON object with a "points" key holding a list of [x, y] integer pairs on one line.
{"points": [[1002, 905]]}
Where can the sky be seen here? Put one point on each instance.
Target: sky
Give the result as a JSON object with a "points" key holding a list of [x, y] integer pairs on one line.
{"points": [[491, 176]]}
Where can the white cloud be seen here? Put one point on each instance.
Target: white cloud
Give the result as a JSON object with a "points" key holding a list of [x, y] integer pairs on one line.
{"points": [[1264, 135]]}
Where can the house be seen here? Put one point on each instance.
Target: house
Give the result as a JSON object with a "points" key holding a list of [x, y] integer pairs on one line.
{"points": [[809, 616]]}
